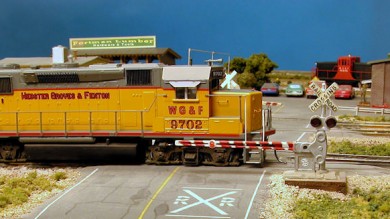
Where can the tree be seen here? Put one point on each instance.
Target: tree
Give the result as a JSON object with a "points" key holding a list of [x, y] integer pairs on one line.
{"points": [[252, 72], [238, 64], [260, 64], [247, 80]]}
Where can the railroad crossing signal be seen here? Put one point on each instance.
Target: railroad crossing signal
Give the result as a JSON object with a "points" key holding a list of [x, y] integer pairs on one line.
{"points": [[323, 122], [323, 97]]}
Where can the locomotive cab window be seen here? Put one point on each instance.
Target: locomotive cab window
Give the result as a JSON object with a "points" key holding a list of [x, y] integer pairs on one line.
{"points": [[185, 90], [186, 93], [5, 85]]}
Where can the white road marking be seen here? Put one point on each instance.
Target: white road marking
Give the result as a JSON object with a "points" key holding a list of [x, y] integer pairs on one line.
{"points": [[203, 201], [212, 188], [194, 216], [66, 192], [303, 134], [279, 108], [254, 194]]}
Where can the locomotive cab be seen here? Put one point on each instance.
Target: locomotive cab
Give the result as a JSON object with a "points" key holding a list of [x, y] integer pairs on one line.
{"points": [[193, 107], [193, 104]]}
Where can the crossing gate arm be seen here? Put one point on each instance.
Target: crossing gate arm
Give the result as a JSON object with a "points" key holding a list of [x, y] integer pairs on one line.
{"points": [[265, 145]]}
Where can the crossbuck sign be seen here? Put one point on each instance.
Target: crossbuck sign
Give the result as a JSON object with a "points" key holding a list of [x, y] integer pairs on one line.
{"points": [[229, 83], [323, 97]]}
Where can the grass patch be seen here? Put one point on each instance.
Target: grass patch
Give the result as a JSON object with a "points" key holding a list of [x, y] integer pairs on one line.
{"points": [[17, 190], [283, 78], [22, 188], [362, 204], [290, 75], [349, 147], [367, 197]]}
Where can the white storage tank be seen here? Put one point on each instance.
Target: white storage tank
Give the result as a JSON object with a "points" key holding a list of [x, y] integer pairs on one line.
{"points": [[60, 54]]}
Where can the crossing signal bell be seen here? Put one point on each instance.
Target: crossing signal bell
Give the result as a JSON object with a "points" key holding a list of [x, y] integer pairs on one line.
{"points": [[323, 122]]}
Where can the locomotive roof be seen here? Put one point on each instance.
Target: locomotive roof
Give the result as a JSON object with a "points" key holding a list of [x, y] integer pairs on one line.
{"points": [[186, 73]]}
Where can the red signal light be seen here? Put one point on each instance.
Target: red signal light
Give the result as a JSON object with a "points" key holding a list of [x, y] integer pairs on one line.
{"points": [[330, 122], [316, 121]]}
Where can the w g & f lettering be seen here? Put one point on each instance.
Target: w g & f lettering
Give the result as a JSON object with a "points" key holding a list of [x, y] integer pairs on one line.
{"points": [[183, 110]]}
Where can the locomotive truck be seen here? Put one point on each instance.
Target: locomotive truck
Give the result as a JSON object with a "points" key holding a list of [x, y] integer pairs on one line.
{"points": [[147, 106], [347, 70]]}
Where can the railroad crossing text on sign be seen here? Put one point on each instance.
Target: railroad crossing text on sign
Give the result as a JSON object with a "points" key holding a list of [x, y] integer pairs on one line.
{"points": [[323, 97]]}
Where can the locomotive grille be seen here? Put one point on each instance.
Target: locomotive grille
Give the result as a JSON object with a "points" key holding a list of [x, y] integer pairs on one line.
{"points": [[138, 77], [5, 86], [58, 78]]}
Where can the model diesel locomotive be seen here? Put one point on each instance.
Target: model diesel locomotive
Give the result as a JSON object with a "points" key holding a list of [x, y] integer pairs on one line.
{"points": [[147, 106], [347, 70]]}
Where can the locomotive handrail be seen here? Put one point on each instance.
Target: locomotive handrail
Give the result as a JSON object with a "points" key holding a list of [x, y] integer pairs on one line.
{"points": [[40, 123], [358, 75], [75, 111], [154, 100]]}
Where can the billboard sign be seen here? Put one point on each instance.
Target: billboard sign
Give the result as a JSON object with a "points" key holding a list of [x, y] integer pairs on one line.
{"points": [[113, 42]]}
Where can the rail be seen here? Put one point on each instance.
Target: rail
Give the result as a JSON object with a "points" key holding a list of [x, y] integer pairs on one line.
{"points": [[358, 109], [358, 158]]}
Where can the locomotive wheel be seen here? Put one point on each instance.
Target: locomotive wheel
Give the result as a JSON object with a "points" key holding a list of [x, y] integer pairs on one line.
{"points": [[221, 157], [164, 153], [11, 152], [192, 157]]}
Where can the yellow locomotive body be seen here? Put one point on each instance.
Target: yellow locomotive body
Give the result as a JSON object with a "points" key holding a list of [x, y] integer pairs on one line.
{"points": [[130, 104]]}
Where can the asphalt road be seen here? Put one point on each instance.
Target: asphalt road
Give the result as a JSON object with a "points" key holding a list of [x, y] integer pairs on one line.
{"points": [[126, 190], [291, 119], [142, 191], [168, 192]]}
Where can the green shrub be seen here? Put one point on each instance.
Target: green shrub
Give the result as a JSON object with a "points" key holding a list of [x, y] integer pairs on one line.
{"points": [[59, 176], [373, 204], [17, 190], [347, 147], [4, 201]]}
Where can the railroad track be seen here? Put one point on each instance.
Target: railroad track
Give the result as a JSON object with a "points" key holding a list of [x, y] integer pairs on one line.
{"points": [[329, 157], [368, 128], [358, 158]]}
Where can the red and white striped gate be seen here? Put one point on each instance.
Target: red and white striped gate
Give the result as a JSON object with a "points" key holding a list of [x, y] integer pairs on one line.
{"points": [[264, 145]]}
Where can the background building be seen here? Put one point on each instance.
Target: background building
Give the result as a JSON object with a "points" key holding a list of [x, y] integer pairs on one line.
{"points": [[89, 51], [380, 87]]}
